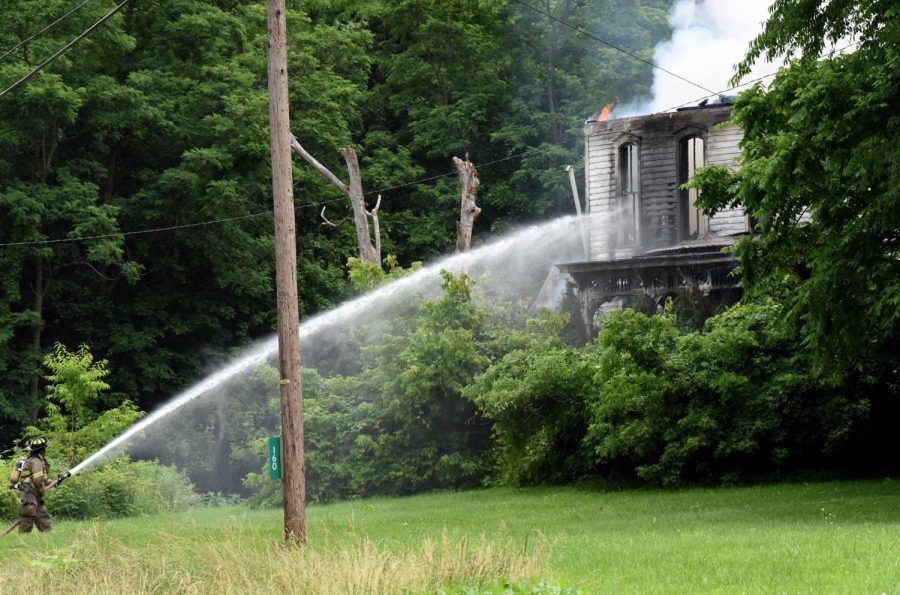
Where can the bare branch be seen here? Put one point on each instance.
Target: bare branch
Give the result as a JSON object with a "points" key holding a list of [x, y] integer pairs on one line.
{"points": [[363, 239], [374, 212], [297, 147], [325, 219], [100, 274]]}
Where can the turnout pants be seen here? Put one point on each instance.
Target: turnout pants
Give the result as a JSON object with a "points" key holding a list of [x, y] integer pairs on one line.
{"points": [[31, 514]]}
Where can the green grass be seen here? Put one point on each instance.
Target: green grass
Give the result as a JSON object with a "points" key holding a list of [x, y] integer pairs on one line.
{"points": [[807, 538]]}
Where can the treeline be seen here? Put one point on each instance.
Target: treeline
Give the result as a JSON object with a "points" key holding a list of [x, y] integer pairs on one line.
{"points": [[158, 121]]}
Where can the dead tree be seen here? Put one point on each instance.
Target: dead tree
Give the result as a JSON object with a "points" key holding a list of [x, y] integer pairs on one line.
{"points": [[468, 211], [367, 252]]}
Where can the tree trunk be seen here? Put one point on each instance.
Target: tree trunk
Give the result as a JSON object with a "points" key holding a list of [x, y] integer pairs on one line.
{"points": [[468, 210], [367, 252], [111, 164], [36, 332]]}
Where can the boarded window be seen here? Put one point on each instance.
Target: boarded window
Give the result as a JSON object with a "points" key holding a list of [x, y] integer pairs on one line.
{"points": [[629, 195], [692, 156]]}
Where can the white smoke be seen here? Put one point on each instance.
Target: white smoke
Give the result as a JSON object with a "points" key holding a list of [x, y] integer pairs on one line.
{"points": [[709, 37]]}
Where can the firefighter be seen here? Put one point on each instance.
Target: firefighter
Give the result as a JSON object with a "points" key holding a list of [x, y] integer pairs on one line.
{"points": [[31, 476]]}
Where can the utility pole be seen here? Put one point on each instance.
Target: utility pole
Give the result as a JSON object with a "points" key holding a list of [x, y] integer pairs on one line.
{"points": [[293, 468]]}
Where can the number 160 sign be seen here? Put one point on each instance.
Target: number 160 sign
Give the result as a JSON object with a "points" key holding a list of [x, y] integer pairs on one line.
{"points": [[274, 458]]}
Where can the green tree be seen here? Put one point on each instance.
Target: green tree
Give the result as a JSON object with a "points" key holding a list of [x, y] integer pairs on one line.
{"points": [[562, 77], [44, 195], [158, 120], [821, 175], [73, 423]]}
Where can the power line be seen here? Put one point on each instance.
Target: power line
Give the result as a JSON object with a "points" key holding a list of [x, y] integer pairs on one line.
{"points": [[481, 166], [758, 79], [609, 44], [51, 25], [573, 139], [386, 189], [536, 150], [477, 166], [64, 49], [132, 233]]}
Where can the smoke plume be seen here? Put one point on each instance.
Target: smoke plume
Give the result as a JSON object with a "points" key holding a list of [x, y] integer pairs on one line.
{"points": [[708, 38]]}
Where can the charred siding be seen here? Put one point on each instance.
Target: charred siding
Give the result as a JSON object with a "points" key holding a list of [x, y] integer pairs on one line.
{"points": [[657, 137], [722, 149]]}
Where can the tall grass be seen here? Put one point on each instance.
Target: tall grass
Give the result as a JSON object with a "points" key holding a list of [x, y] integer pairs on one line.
{"points": [[834, 537], [232, 561]]}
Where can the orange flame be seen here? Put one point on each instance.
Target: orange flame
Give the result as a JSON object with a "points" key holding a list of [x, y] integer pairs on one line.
{"points": [[605, 112]]}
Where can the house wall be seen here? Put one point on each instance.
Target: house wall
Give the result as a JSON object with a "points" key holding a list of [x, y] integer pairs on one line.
{"points": [[657, 137], [722, 150]]}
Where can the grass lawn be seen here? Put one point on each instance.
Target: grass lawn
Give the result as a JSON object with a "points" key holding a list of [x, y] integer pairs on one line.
{"points": [[833, 537]]}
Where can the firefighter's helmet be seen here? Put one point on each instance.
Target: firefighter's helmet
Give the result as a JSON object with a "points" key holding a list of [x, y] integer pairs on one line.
{"points": [[36, 444]]}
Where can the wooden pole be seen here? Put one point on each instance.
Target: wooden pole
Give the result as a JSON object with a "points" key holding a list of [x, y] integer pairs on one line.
{"points": [[293, 471], [584, 232]]}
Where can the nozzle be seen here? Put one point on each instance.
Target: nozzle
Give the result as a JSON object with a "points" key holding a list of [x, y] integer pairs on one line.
{"points": [[60, 478]]}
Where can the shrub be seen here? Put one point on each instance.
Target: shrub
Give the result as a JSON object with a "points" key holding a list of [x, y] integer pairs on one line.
{"points": [[535, 398], [639, 392], [654, 401], [75, 388], [123, 488]]}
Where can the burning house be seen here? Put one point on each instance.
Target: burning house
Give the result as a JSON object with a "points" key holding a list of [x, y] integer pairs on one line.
{"points": [[646, 240]]}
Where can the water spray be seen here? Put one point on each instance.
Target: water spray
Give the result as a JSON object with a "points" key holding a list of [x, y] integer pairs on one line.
{"points": [[508, 252]]}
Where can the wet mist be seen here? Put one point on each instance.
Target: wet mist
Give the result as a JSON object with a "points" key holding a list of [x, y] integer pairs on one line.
{"points": [[215, 429]]}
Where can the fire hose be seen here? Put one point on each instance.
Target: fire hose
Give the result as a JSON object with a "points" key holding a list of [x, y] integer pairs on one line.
{"points": [[55, 483]]}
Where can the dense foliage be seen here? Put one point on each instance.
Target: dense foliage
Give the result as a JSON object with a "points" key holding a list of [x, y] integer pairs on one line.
{"points": [[402, 425], [648, 401], [821, 174], [159, 119], [465, 391]]}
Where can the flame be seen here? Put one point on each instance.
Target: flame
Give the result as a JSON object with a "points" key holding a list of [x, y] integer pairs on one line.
{"points": [[605, 112]]}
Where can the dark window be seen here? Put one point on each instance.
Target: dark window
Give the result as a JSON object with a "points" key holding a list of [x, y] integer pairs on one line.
{"points": [[629, 195], [692, 156]]}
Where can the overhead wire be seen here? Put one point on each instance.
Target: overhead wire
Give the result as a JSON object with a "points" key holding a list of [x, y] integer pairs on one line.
{"points": [[45, 29], [317, 204], [757, 80], [64, 49], [136, 232]]}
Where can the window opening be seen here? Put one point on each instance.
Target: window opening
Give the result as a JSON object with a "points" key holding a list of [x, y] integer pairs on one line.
{"points": [[693, 156], [629, 195]]}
